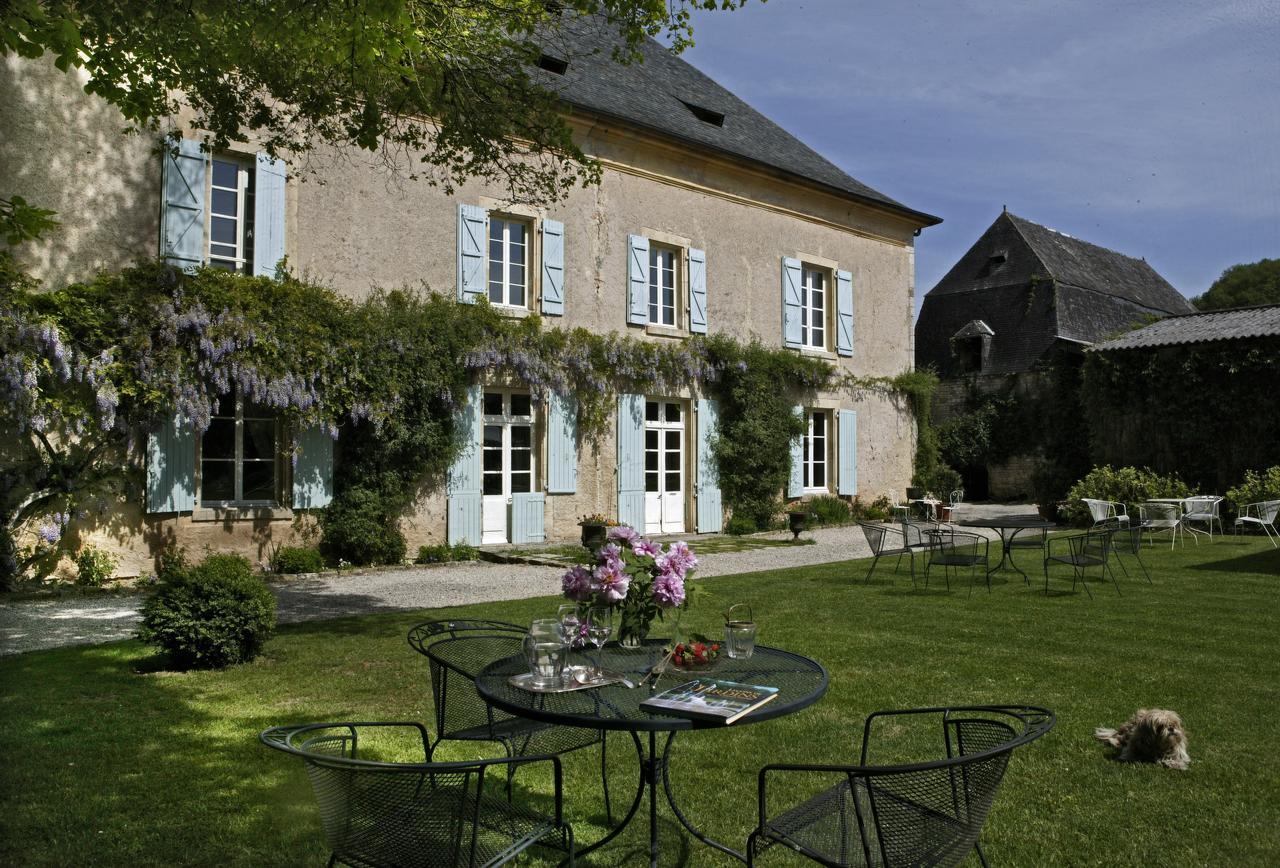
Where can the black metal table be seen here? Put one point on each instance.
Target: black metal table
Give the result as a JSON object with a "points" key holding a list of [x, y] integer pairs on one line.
{"points": [[1008, 528], [800, 682]]}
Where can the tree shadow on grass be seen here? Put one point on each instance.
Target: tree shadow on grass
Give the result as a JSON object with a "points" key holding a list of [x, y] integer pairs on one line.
{"points": [[1265, 562]]}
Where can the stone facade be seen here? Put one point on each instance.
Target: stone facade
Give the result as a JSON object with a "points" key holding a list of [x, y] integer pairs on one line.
{"points": [[349, 225]]}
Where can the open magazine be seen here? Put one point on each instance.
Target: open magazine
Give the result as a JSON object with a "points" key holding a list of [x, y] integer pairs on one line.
{"points": [[710, 699]]}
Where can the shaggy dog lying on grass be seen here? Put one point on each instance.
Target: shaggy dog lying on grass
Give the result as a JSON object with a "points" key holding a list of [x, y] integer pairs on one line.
{"points": [[1152, 735]]}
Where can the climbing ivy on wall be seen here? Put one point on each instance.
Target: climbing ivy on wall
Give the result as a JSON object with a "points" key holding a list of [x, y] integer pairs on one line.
{"points": [[1205, 412], [87, 370]]}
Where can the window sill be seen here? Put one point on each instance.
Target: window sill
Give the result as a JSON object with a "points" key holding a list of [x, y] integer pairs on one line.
{"points": [[665, 332], [241, 513], [819, 354], [512, 311]]}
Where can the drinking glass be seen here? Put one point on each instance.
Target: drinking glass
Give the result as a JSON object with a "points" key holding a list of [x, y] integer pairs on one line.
{"points": [[570, 616], [546, 652], [599, 627]]}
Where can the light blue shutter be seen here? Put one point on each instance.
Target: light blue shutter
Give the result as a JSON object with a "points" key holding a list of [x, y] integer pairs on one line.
{"points": [[562, 445], [553, 268], [182, 228], [710, 505], [171, 467], [697, 291], [268, 216], [638, 280], [464, 476], [795, 485], [313, 469], [848, 452], [527, 511], [791, 302], [631, 460], [844, 313], [473, 239]]}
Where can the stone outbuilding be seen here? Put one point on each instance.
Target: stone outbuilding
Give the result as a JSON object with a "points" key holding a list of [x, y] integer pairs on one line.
{"points": [[1023, 298]]}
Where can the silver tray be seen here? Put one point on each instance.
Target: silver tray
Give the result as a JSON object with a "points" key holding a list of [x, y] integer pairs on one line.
{"points": [[571, 683]]}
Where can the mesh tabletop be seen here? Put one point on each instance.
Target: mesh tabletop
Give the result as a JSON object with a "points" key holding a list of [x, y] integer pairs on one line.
{"points": [[800, 682]]}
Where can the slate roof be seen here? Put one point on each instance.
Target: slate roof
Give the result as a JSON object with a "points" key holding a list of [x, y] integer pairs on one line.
{"points": [[1036, 288], [1199, 328], [658, 94]]}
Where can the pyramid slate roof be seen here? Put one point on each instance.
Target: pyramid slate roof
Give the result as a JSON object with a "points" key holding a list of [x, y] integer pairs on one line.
{"points": [[669, 96], [1199, 328]]}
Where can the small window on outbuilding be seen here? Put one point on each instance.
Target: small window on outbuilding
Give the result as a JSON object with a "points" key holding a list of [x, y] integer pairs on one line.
{"points": [[704, 114], [994, 263], [971, 347]]}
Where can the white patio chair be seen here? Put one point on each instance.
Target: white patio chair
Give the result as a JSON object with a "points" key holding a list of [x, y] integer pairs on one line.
{"points": [[1262, 514], [1156, 517], [1106, 510], [1203, 509]]}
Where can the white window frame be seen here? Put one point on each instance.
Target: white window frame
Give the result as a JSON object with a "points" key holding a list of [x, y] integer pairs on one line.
{"points": [[506, 419], [239, 462], [505, 285], [815, 457], [655, 285], [243, 258], [809, 312]]}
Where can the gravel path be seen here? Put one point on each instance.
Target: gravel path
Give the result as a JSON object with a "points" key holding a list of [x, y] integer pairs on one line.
{"points": [[39, 624]]}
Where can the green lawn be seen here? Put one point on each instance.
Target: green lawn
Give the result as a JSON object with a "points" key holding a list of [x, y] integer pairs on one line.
{"points": [[111, 760]]}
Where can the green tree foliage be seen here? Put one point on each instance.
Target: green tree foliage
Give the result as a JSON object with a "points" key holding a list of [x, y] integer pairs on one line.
{"points": [[1242, 286], [453, 81]]}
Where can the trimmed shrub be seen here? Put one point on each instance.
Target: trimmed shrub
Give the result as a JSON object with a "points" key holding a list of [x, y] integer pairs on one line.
{"points": [[740, 525], [294, 559], [361, 527], [209, 616], [827, 510], [1128, 485], [445, 553], [876, 510], [1256, 487], [93, 567]]}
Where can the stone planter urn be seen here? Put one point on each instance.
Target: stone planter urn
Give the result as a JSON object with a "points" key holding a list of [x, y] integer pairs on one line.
{"points": [[915, 492], [593, 535], [796, 522], [1048, 511]]}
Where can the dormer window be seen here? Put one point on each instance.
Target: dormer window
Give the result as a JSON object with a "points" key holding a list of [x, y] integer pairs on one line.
{"points": [[554, 65], [971, 347], [706, 115], [994, 262]]}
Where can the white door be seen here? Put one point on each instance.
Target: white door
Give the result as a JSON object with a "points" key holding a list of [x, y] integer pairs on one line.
{"points": [[508, 460], [663, 467]]}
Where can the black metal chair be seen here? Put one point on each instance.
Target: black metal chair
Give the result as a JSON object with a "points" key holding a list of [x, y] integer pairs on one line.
{"points": [[458, 650], [1030, 538], [900, 538], [910, 813], [379, 811], [954, 549], [1126, 541], [1080, 552]]}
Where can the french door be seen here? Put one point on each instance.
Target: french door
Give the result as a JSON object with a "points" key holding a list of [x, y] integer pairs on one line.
{"points": [[664, 466], [508, 460]]}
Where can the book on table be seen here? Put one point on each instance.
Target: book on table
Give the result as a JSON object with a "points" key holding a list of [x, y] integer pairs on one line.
{"points": [[710, 699]]}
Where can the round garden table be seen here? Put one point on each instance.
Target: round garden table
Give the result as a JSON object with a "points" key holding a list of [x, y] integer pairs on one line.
{"points": [[800, 682], [1008, 528]]}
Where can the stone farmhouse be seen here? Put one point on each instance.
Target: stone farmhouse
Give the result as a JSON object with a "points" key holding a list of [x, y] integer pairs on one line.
{"points": [[709, 218]]}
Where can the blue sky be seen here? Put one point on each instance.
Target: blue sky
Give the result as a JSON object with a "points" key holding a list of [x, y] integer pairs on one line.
{"points": [[1152, 128]]}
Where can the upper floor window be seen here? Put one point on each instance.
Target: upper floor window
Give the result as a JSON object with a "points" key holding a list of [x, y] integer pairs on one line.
{"points": [[815, 450], [664, 279], [239, 455], [814, 284], [508, 261], [231, 211]]}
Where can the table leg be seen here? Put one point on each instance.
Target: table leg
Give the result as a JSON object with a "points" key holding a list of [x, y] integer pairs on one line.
{"points": [[646, 773], [675, 809]]}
